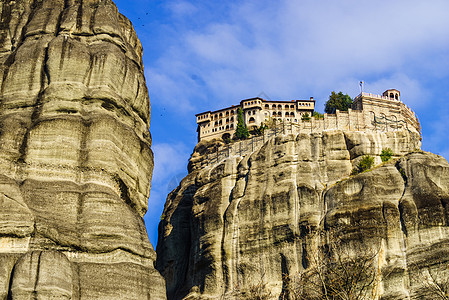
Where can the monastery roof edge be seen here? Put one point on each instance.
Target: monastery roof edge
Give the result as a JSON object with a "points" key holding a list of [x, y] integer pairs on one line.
{"points": [[255, 98]]}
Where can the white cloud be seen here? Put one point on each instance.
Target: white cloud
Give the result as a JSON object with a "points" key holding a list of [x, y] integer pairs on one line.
{"points": [[412, 91], [291, 48], [181, 8]]}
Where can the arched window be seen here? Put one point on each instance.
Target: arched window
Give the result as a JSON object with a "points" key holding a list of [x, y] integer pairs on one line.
{"points": [[227, 120], [227, 114], [216, 123], [232, 112], [292, 114], [220, 122], [292, 106], [251, 120], [267, 106], [279, 114], [221, 115], [232, 119], [396, 96], [274, 113], [391, 95], [279, 106], [227, 127], [287, 106], [287, 114], [273, 106], [232, 126]]}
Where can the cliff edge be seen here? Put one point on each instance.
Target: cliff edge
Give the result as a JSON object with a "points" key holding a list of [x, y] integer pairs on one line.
{"points": [[260, 223], [75, 156]]}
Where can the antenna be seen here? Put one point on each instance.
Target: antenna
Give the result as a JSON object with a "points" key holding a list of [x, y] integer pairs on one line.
{"points": [[263, 96]]}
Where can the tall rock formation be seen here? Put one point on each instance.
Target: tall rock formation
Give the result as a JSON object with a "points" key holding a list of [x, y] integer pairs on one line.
{"points": [[75, 157], [258, 221]]}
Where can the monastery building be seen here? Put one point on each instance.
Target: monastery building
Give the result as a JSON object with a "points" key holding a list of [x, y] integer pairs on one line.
{"points": [[215, 124], [384, 112]]}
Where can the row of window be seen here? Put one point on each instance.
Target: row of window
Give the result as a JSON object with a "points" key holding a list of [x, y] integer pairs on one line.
{"points": [[267, 106], [219, 115], [279, 106], [218, 123], [251, 103], [287, 114], [227, 127], [286, 106], [251, 119]]}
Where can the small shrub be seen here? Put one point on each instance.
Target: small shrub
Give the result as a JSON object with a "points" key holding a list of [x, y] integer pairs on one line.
{"points": [[305, 117], [258, 131], [366, 163], [318, 115], [386, 154]]}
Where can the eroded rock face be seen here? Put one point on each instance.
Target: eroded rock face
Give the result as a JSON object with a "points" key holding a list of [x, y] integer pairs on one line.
{"points": [[75, 157], [261, 218]]}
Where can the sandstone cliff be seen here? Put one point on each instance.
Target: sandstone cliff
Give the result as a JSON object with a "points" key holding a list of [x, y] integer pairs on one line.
{"points": [[75, 157], [259, 220]]}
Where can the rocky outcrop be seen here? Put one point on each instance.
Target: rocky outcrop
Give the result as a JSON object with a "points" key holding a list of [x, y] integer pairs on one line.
{"points": [[260, 220], [75, 157]]}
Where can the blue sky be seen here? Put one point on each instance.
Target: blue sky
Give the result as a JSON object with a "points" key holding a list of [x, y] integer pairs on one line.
{"points": [[205, 55]]}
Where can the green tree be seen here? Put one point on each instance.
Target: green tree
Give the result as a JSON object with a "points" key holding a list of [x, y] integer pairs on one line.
{"points": [[337, 101], [318, 115], [305, 117], [386, 154], [366, 163], [241, 132]]}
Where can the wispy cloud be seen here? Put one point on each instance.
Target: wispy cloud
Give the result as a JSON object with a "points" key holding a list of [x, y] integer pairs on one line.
{"points": [[181, 8], [293, 48]]}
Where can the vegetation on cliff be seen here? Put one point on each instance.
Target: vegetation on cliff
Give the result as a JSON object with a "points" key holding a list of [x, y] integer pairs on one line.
{"points": [[337, 101]]}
